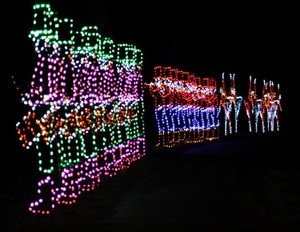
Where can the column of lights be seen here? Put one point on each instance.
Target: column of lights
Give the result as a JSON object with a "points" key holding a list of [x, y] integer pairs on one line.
{"points": [[250, 101], [236, 101], [272, 105], [230, 102], [86, 109], [45, 31], [108, 49], [265, 110], [258, 111], [186, 108]]}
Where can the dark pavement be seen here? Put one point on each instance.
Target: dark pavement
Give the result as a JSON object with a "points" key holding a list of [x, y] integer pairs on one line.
{"points": [[232, 184]]}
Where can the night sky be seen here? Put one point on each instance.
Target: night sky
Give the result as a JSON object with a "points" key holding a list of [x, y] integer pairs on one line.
{"points": [[204, 38]]}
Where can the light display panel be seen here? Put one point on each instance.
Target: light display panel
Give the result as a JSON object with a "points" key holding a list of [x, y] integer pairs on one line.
{"points": [[263, 112], [85, 108], [186, 107], [231, 104], [85, 118]]}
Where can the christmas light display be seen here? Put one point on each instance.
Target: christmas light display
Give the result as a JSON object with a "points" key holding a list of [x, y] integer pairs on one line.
{"points": [[266, 109], [272, 105], [85, 109], [186, 107], [230, 102], [249, 102], [85, 116]]}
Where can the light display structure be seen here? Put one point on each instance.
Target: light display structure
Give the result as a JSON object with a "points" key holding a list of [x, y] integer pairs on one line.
{"points": [[263, 113], [231, 104], [85, 116], [186, 107]]}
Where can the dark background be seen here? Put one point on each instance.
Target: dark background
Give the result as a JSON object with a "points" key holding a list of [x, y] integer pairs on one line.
{"points": [[205, 38]]}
